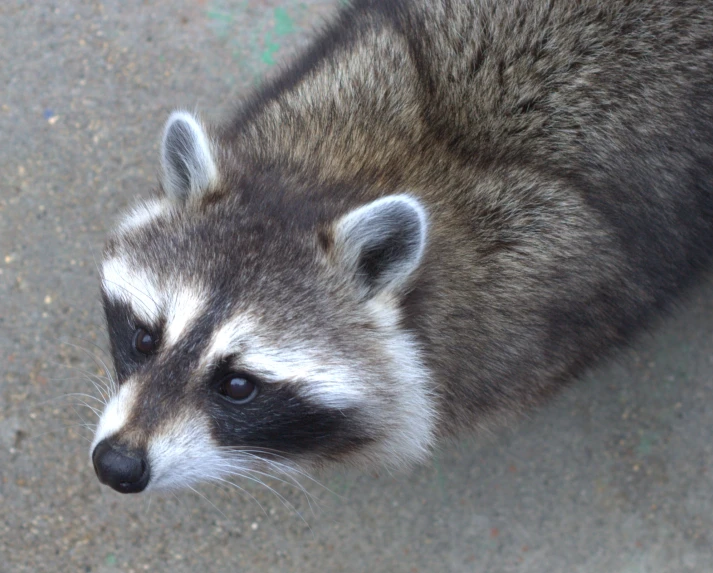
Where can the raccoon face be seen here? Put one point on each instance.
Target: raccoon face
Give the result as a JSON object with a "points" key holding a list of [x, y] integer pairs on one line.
{"points": [[250, 326]]}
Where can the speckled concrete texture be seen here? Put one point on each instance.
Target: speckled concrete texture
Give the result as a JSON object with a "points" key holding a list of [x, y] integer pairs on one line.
{"points": [[615, 477]]}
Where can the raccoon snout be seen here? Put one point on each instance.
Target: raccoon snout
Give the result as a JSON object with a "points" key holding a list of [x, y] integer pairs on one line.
{"points": [[122, 472]]}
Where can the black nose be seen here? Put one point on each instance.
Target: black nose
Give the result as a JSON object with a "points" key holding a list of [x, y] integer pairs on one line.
{"points": [[121, 471]]}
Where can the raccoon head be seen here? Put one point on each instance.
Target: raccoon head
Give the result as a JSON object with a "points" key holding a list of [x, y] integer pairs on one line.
{"points": [[253, 321]]}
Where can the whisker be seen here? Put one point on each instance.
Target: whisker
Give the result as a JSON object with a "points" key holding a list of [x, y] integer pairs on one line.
{"points": [[108, 371], [286, 468], [97, 360], [101, 349], [59, 429], [105, 389], [194, 490], [86, 424], [76, 394], [279, 496], [92, 408], [64, 396], [243, 490], [288, 474], [292, 483]]}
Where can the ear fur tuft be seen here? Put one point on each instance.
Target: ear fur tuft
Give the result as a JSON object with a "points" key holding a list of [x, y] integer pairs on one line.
{"points": [[186, 157], [383, 242]]}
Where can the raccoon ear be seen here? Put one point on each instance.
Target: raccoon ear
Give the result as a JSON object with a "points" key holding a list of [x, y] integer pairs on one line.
{"points": [[382, 242], [186, 158]]}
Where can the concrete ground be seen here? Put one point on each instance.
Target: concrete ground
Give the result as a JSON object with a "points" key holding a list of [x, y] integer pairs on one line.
{"points": [[615, 477]]}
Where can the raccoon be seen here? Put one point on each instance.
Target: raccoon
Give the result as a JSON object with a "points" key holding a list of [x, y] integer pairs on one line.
{"points": [[433, 220]]}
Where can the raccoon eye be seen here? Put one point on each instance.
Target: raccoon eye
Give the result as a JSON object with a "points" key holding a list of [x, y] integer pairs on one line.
{"points": [[238, 388], [144, 342]]}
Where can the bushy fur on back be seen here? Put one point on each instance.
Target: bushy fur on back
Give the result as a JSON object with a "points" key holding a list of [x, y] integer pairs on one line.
{"points": [[436, 217]]}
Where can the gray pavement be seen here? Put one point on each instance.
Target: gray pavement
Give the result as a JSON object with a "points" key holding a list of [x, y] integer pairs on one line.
{"points": [[614, 477]]}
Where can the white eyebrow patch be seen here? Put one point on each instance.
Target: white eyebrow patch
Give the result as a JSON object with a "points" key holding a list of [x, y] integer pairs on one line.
{"points": [[124, 282], [317, 377], [183, 308], [180, 304], [229, 337], [143, 213]]}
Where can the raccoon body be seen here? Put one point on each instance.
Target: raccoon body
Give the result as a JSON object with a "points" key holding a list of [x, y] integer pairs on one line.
{"points": [[433, 220]]}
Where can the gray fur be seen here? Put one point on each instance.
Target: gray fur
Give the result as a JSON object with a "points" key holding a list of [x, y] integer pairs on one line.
{"points": [[561, 152]]}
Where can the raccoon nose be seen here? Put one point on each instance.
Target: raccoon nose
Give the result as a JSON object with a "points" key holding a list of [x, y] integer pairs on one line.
{"points": [[124, 473]]}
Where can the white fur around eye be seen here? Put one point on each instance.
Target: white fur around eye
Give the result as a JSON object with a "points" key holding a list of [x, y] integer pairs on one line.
{"points": [[327, 382]]}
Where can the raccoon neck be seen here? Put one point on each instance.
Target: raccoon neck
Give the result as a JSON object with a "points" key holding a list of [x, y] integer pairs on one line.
{"points": [[348, 111]]}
